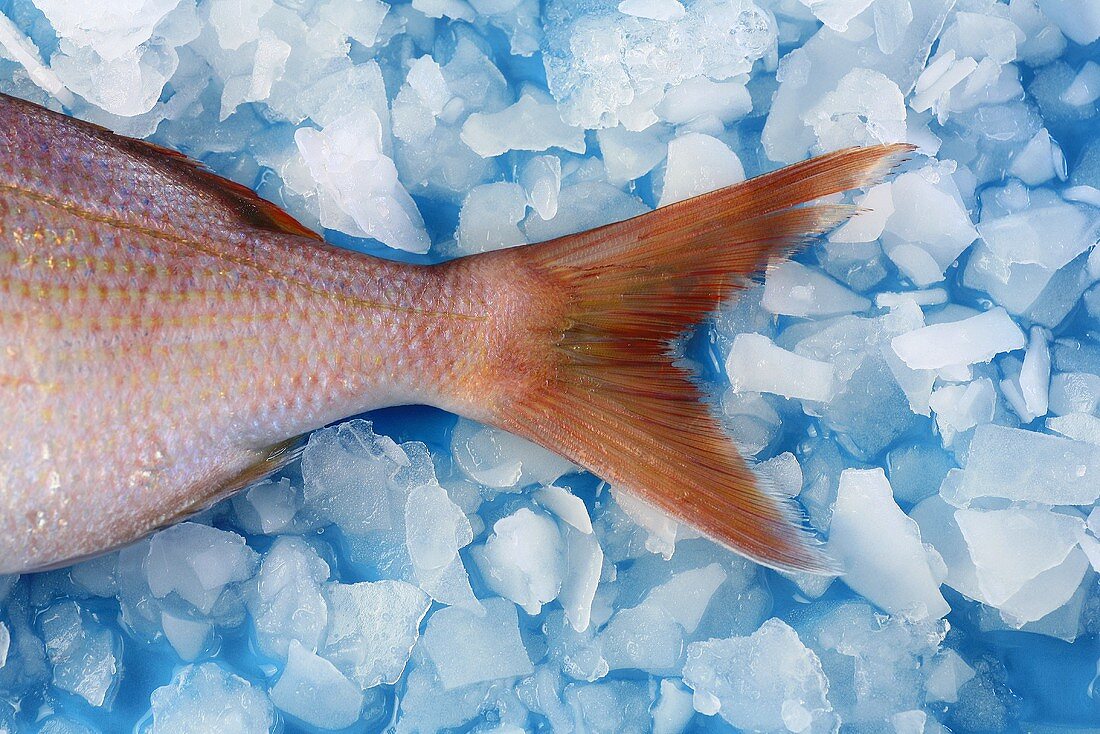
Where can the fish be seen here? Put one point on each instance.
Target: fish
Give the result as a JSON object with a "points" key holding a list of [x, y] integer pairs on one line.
{"points": [[168, 337]]}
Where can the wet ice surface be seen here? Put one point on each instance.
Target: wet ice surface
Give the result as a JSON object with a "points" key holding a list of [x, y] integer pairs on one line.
{"points": [[924, 381]]}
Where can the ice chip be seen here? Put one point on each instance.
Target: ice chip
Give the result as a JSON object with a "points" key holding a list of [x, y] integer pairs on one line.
{"points": [[946, 675], [347, 471], [529, 124], [959, 408], [653, 9], [502, 460], [867, 225], [1021, 465], [310, 688], [541, 180], [673, 709], [1039, 161], [1078, 19], [645, 637], [207, 697], [756, 364], [372, 629], [436, 528], [188, 637], [686, 595], [606, 67], [567, 506], [697, 164], [793, 289], [761, 682], [1077, 426], [357, 182], [268, 507], [490, 218], [523, 559], [1085, 88], [110, 31], [968, 341], [583, 565], [880, 548], [285, 598], [629, 155], [197, 563], [1013, 546], [82, 653], [865, 108], [466, 648], [911, 236], [702, 98], [836, 14]]}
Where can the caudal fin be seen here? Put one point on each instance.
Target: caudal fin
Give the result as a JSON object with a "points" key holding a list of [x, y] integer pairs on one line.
{"points": [[609, 395]]}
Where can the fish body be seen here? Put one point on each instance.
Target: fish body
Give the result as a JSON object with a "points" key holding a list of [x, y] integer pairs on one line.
{"points": [[165, 336]]}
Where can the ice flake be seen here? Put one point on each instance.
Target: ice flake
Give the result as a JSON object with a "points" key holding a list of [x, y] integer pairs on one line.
{"points": [[583, 565], [503, 460], [793, 289], [968, 341], [373, 629], [1021, 465], [207, 697], [629, 155], [466, 648], [285, 599], [880, 548], [490, 218], [529, 124], [756, 364], [310, 688], [82, 653], [763, 682], [697, 164], [541, 181], [865, 108], [358, 185], [197, 563], [523, 559], [605, 67], [1015, 546], [653, 9]]}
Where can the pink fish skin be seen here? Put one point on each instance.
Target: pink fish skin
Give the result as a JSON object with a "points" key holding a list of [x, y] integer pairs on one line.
{"points": [[166, 335]]}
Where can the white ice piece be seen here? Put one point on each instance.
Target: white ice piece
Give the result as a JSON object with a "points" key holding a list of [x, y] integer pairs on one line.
{"points": [[768, 681], [310, 688], [357, 182], [1027, 466], [530, 124], [653, 9], [968, 341], [793, 289], [698, 163], [523, 559], [206, 697], [466, 648], [880, 548], [373, 628], [756, 364], [197, 562]]}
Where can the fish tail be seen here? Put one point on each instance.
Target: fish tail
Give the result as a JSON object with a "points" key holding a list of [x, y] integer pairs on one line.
{"points": [[608, 392]]}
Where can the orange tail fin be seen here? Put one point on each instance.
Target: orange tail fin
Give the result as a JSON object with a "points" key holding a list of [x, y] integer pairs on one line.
{"points": [[609, 395]]}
